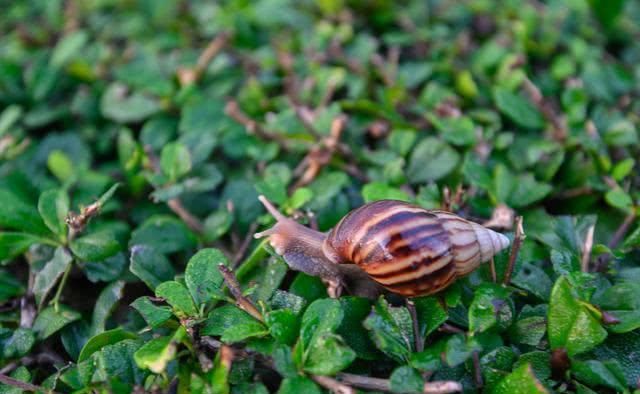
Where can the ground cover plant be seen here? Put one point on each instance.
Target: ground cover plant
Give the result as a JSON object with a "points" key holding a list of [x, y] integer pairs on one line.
{"points": [[136, 136]]}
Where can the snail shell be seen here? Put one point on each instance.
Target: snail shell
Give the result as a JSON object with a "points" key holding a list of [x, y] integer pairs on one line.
{"points": [[405, 248], [409, 250]]}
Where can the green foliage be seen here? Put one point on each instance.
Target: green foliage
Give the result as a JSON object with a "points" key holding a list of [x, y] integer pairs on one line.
{"points": [[136, 136]]}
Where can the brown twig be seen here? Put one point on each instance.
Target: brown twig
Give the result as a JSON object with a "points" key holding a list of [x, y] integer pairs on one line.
{"points": [[188, 76], [450, 329], [515, 248], [227, 356], [46, 357], [419, 340], [477, 376], [547, 110], [234, 287], [333, 385], [586, 249], [190, 220], [492, 268], [237, 258], [319, 155], [25, 386], [622, 230], [369, 383], [175, 204], [232, 109]]}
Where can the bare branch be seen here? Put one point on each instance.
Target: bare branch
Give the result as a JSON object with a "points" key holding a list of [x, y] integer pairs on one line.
{"points": [[232, 109], [622, 230], [174, 204], [419, 340], [369, 383], [586, 249], [25, 386], [234, 287], [547, 110], [515, 248], [333, 385], [188, 76], [190, 220]]}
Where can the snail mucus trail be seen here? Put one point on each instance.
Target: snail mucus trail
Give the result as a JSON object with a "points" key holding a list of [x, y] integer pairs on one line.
{"points": [[404, 248]]}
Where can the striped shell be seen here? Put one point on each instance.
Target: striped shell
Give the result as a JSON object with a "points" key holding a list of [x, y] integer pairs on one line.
{"points": [[409, 250]]}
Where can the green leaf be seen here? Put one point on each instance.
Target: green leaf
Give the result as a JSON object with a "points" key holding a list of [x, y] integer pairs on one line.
{"points": [[600, 374], [14, 244], [529, 330], [381, 191], [18, 343], [175, 160], [53, 206], [117, 360], [10, 287], [390, 329], [150, 266], [283, 325], [624, 349], [61, 166], [327, 355], [95, 246], [202, 276], [618, 198], [19, 215], [165, 234], [430, 313], [232, 324], [48, 276], [321, 317], [522, 380], [22, 374], [352, 330], [69, 46], [178, 297], [217, 224], [153, 314], [49, 321], [298, 384], [570, 324], [105, 338], [406, 380], [116, 104], [155, 354], [431, 160], [105, 304], [517, 108], [491, 306]]}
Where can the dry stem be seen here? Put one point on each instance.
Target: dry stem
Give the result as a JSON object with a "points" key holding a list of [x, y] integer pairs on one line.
{"points": [[188, 76], [369, 383], [559, 126], [24, 386], [586, 249], [174, 204], [234, 287], [232, 109], [333, 385], [515, 248]]}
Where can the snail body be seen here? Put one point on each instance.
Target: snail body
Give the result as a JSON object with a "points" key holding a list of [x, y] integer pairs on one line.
{"points": [[404, 248]]}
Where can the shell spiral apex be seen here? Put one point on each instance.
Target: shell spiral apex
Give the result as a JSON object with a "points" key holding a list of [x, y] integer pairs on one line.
{"points": [[405, 248]]}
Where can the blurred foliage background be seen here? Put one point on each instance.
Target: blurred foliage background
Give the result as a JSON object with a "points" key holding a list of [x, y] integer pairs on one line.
{"points": [[135, 137]]}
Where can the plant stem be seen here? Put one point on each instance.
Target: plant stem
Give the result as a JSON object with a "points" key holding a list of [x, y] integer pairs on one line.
{"points": [[63, 281], [257, 255], [517, 242]]}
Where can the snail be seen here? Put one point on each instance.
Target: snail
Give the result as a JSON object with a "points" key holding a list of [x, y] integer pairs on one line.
{"points": [[402, 247]]}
